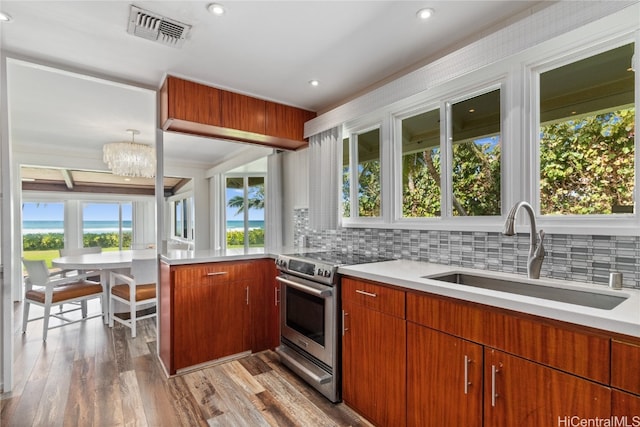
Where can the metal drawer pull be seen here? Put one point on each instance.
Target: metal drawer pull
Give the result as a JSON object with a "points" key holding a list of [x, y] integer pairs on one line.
{"points": [[494, 370], [369, 294], [344, 328], [466, 374], [217, 273]]}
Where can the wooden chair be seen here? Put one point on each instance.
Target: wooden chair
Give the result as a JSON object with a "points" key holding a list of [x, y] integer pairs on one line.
{"points": [[47, 291], [135, 290]]}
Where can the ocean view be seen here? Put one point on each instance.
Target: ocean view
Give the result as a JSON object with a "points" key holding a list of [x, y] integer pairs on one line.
{"points": [[43, 227]]}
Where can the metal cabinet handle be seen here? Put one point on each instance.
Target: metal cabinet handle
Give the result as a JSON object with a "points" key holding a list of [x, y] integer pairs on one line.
{"points": [[494, 371], [344, 328], [369, 294], [276, 296], [466, 374], [247, 295], [217, 273]]}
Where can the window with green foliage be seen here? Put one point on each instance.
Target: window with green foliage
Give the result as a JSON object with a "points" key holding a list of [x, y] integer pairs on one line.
{"points": [[107, 224], [587, 136], [476, 149], [245, 203], [368, 184], [421, 180], [346, 179]]}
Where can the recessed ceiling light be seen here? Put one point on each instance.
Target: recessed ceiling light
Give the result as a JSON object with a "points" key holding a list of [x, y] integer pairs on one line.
{"points": [[425, 13], [472, 110], [314, 82], [5, 17], [216, 9]]}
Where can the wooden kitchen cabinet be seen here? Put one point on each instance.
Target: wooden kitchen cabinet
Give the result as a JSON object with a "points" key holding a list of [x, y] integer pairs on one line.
{"points": [[284, 121], [190, 102], [625, 405], [625, 365], [193, 108], [214, 310], [522, 393], [265, 307], [243, 112], [444, 379], [374, 352]]}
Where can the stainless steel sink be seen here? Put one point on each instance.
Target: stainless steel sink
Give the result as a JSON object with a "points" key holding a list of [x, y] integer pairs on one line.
{"points": [[549, 292]]}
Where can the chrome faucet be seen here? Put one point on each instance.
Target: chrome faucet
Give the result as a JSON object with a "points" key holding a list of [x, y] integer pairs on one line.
{"points": [[536, 251]]}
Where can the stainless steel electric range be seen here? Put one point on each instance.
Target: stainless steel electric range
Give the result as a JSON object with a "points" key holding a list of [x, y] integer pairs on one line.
{"points": [[310, 318]]}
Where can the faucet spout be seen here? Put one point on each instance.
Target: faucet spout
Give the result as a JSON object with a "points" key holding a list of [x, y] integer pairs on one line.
{"points": [[536, 249]]}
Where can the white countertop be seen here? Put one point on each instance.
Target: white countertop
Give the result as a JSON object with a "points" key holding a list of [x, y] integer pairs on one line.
{"points": [[623, 319]]}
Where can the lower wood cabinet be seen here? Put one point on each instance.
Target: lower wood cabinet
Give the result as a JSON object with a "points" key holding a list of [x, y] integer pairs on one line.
{"points": [[523, 393], [444, 379], [473, 365], [373, 354], [213, 310]]}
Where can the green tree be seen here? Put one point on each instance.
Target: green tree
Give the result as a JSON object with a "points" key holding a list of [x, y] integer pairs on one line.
{"points": [[255, 199], [587, 165]]}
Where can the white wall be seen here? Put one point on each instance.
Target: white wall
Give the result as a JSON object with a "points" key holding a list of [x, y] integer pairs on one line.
{"points": [[295, 189]]}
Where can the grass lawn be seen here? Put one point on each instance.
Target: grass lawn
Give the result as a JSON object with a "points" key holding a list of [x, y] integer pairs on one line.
{"points": [[50, 254]]}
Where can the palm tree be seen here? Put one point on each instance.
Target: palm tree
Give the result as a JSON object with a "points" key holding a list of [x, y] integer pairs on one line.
{"points": [[255, 199]]}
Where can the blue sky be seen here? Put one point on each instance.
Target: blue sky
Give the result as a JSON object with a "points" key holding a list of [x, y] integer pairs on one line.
{"points": [[254, 214], [92, 211]]}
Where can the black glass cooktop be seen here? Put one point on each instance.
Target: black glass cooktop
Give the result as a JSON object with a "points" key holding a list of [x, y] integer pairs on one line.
{"points": [[342, 258]]}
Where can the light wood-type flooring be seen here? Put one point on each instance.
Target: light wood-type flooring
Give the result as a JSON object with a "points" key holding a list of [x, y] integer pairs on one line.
{"points": [[87, 374]]}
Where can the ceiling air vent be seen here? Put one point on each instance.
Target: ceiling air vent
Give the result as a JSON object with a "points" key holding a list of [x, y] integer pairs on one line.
{"points": [[152, 26]]}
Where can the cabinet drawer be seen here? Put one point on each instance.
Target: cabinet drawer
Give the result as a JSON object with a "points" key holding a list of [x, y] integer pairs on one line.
{"points": [[202, 274], [374, 296], [456, 318], [625, 359]]}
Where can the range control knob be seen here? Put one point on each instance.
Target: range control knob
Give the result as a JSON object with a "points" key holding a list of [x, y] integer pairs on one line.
{"points": [[320, 272], [327, 273]]}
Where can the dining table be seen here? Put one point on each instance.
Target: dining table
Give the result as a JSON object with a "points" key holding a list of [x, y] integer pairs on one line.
{"points": [[103, 262]]}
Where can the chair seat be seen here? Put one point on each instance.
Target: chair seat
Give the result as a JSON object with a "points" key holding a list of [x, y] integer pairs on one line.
{"points": [[143, 292], [66, 292]]}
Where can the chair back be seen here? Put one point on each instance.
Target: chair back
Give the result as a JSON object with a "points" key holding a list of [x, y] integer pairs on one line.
{"points": [[144, 270], [80, 251], [37, 271]]}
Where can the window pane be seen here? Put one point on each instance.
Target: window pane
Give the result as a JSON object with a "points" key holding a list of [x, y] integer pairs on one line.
{"points": [[421, 187], [255, 193], [101, 225], [179, 218], [476, 155], [587, 142], [346, 179], [42, 230], [234, 200], [369, 173]]}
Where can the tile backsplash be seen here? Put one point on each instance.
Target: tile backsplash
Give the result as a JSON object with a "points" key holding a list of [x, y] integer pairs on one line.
{"points": [[582, 258]]}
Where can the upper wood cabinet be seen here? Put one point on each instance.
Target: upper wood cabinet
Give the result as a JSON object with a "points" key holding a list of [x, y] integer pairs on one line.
{"points": [[197, 109], [243, 112], [284, 121]]}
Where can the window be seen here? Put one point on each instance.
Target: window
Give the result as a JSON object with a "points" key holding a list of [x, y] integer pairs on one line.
{"points": [[366, 177], [587, 136], [476, 147], [421, 172], [245, 197], [183, 220], [42, 230], [108, 225]]}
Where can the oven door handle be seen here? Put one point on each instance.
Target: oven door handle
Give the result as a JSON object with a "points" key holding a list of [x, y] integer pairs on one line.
{"points": [[322, 293]]}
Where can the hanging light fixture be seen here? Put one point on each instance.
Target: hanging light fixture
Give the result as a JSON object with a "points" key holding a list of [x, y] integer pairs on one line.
{"points": [[130, 158]]}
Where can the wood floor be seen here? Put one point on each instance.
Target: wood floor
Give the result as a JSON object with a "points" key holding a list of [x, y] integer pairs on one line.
{"points": [[87, 374]]}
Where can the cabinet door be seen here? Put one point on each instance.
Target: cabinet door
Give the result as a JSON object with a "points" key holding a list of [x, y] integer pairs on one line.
{"points": [[265, 312], [625, 406], [284, 121], [190, 102], [444, 379], [522, 393], [243, 112], [625, 359], [210, 320], [374, 365]]}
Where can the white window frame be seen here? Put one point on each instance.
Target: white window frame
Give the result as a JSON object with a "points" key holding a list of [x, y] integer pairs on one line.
{"points": [[80, 224], [245, 180], [577, 224], [188, 200]]}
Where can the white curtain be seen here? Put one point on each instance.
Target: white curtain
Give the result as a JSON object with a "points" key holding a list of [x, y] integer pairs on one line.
{"points": [[324, 173], [273, 203]]}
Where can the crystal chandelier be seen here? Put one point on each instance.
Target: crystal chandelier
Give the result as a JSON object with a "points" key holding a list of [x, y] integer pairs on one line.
{"points": [[130, 158]]}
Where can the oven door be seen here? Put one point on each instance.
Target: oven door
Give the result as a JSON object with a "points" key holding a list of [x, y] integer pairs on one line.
{"points": [[308, 316]]}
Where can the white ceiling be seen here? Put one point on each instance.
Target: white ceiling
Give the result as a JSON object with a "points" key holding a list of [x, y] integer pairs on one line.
{"points": [[268, 49]]}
